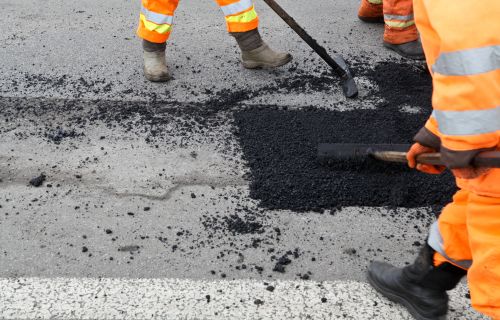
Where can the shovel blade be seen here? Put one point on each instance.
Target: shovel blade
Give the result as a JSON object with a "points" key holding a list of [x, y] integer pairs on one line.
{"points": [[350, 88]]}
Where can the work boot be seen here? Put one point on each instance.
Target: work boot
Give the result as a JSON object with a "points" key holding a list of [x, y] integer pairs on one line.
{"points": [[412, 50], [264, 57], [155, 64], [255, 53], [369, 12], [420, 287]]}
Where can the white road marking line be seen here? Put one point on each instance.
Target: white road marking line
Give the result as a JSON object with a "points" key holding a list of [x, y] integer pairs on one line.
{"points": [[115, 298]]}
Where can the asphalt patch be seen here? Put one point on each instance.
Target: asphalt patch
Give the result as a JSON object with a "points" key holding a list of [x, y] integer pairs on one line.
{"points": [[280, 148]]}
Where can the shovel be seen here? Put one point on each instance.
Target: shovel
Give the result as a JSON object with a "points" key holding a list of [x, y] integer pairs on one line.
{"points": [[342, 152], [337, 63]]}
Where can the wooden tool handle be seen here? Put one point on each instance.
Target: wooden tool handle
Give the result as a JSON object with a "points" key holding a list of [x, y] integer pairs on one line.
{"points": [[488, 159]]}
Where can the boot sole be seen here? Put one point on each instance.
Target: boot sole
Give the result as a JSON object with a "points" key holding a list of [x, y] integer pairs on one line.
{"points": [[156, 78], [393, 296], [402, 53], [262, 65], [372, 19]]}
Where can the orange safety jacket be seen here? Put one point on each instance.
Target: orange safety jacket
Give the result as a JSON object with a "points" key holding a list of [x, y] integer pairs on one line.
{"points": [[461, 40]]}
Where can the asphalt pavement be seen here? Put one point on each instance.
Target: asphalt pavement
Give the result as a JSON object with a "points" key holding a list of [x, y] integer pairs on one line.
{"points": [[134, 217]]}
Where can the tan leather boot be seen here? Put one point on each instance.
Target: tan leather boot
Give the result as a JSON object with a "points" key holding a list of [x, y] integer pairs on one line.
{"points": [[264, 57], [155, 66], [255, 53], [411, 50]]}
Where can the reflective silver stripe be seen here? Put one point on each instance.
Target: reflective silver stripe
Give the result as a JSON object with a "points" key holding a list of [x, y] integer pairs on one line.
{"points": [[157, 18], [395, 17], [237, 7], [435, 241], [463, 123], [468, 62]]}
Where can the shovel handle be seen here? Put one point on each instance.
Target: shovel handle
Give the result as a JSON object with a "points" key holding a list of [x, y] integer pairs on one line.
{"points": [[337, 63], [487, 159]]}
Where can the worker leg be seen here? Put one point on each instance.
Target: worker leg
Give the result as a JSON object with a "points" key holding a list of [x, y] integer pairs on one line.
{"points": [[467, 235], [399, 22], [483, 224], [240, 15], [242, 22], [449, 236], [371, 11], [400, 33], [155, 25], [156, 19], [421, 287]]}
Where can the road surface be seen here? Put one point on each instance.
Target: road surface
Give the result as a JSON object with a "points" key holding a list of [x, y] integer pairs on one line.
{"points": [[133, 219]]}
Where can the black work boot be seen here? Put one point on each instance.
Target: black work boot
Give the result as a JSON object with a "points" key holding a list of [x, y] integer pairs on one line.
{"points": [[420, 287], [412, 50]]}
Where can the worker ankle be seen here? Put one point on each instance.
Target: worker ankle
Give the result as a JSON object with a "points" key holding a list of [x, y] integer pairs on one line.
{"points": [[149, 46], [423, 272], [249, 40], [422, 265], [444, 277]]}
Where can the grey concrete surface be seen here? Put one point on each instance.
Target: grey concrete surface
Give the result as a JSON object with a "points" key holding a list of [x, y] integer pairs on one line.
{"points": [[86, 51]]}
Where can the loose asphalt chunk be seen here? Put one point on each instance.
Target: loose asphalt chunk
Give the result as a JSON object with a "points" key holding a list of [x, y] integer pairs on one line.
{"points": [[38, 181]]}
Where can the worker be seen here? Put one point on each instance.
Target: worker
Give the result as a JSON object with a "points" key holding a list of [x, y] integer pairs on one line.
{"points": [[461, 41], [155, 25], [400, 33]]}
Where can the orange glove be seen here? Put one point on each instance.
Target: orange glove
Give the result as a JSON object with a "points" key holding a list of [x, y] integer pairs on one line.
{"points": [[418, 149]]}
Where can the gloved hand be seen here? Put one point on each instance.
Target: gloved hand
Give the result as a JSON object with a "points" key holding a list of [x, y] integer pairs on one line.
{"points": [[469, 172], [417, 149], [460, 163]]}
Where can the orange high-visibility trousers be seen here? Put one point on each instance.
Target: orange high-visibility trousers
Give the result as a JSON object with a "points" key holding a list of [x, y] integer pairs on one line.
{"points": [[467, 234], [156, 17], [398, 18], [461, 41]]}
